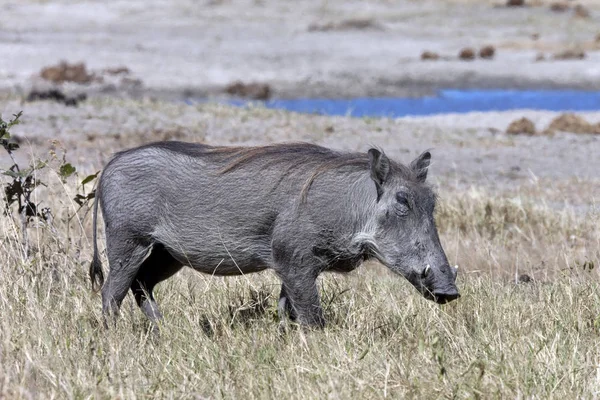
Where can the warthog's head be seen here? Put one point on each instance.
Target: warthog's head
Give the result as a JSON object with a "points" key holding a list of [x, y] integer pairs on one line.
{"points": [[405, 235]]}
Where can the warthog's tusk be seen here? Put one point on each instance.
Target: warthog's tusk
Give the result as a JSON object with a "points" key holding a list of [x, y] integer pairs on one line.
{"points": [[427, 270]]}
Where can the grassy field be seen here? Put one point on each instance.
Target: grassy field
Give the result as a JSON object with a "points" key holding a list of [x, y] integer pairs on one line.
{"points": [[221, 337]]}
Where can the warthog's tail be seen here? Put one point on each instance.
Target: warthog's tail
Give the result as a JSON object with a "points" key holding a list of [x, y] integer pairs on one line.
{"points": [[96, 274]]}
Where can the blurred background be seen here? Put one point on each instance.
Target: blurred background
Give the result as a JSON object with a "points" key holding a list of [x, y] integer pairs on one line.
{"points": [[334, 49], [478, 81]]}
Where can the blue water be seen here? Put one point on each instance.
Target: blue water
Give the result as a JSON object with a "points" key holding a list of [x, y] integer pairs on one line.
{"points": [[446, 101]]}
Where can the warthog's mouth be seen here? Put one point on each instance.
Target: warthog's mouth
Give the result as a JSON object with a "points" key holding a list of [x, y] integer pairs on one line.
{"points": [[444, 298], [441, 297]]}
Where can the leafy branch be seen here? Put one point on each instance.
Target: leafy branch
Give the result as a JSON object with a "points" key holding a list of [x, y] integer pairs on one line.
{"points": [[23, 182]]}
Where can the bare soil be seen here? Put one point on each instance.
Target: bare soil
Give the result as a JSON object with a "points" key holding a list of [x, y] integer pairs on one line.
{"points": [[142, 58], [469, 150], [369, 48]]}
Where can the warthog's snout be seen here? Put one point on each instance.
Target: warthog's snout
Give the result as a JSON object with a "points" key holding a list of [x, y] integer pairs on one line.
{"points": [[437, 283], [445, 297], [441, 296]]}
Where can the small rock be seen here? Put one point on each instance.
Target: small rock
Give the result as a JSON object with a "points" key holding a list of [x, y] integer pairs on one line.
{"points": [[524, 278], [429, 55], [359, 24], [581, 12], [116, 70], [560, 6], [597, 39], [353, 24], [256, 91], [52, 94], [521, 126], [572, 123], [315, 27], [515, 3], [540, 57], [16, 139], [569, 54], [329, 129], [535, 36], [57, 96], [467, 54], [131, 82], [487, 52], [108, 88]]}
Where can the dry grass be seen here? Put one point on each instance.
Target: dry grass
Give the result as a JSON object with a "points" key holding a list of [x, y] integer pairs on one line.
{"points": [[511, 236], [221, 338]]}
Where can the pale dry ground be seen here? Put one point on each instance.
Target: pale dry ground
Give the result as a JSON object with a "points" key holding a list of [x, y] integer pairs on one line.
{"points": [[468, 149], [221, 338], [194, 48]]}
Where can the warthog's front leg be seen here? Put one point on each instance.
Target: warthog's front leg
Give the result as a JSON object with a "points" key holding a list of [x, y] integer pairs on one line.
{"points": [[284, 307], [300, 295], [298, 269]]}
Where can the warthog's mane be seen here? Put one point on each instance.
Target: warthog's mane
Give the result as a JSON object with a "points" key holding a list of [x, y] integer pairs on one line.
{"points": [[319, 159]]}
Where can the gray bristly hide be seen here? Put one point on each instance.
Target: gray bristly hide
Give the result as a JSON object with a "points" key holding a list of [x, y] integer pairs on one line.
{"points": [[298, 209]]}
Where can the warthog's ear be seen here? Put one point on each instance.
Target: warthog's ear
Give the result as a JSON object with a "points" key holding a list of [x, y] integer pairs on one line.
{"points": [[379, 165], [420, 165]]}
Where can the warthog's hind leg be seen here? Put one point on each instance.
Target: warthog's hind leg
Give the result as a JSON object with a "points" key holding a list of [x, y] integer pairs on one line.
{"points": [[159, 266], [125, 258]]}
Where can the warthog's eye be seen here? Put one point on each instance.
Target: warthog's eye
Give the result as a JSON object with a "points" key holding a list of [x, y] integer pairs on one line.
{"points": [[402, 205]]}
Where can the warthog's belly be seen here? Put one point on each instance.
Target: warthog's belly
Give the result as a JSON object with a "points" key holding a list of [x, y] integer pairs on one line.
{"points": [[230, 269], [219, 263]]}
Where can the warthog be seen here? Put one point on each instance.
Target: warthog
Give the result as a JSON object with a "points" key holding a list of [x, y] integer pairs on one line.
{"points": [[299, 209]]}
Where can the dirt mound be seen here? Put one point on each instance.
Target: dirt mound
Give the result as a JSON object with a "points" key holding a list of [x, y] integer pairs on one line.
{"points": [[256, 91], [467, 54], [65, 72], [521, 126], [487, 52], [581, 12], [515, 3], [429, 55], [560, 6], [569, 54], [572, 123]]}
